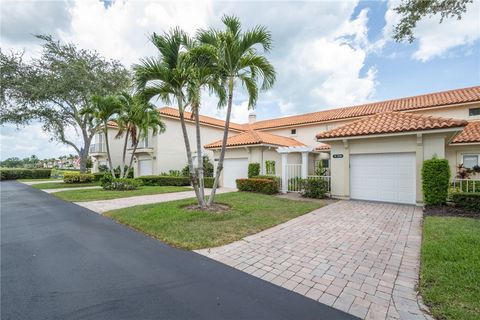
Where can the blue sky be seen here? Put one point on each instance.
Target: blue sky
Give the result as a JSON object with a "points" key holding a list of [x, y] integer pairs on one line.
{"points": [[327, 53]]}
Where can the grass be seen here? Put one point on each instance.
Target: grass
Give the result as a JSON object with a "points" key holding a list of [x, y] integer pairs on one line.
{"points": [[59, 185], [100, 194], [249, 214], [450, 273], [33, 180]]}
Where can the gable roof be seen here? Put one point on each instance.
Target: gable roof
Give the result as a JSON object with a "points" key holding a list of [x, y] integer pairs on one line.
{"points": [[470, 134], [443, 98], [172, 112], [390, 122], [255, 138]]}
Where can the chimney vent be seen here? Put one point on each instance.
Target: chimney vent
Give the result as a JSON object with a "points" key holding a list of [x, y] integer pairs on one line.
{"points": [[252, 117]]}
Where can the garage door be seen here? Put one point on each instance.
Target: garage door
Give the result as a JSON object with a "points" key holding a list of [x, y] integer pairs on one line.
{"points": [[234, 169], [145, 167], [388, 177]]}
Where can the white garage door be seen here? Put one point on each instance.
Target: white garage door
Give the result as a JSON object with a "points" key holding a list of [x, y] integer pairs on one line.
{"points": [[388, 177], [234, 169], [145, 167]]}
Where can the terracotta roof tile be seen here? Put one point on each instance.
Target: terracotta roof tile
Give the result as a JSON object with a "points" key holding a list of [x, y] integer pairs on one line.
{"points": [[449, 97], [172, 112], [470, 134], [256, 137], [390, 122], [322, 146]]}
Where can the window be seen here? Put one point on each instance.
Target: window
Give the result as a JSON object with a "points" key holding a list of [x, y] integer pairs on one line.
{"points": [[293, 132], [470, 160], [474, 112]]}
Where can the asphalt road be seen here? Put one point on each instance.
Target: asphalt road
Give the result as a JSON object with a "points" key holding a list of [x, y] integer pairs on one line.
{"points": [[61, 261]]}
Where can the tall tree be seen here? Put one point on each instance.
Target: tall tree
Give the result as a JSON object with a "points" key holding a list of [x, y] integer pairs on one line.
{"points": [[102, 111], [54, 88], [239, 61], [137, 119], [166, 77], [412, 11]]}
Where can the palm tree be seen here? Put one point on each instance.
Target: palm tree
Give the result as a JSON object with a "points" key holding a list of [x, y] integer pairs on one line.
{"points": [[103, 109], [166, 77], [239, 61], [136, 119]]}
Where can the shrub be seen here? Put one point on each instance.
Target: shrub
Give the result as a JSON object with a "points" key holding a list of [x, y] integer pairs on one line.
{"points": [[208, 182], [270, 167], [78, 177], [58, 174], [97, 176], [435, 181], [467, 200], [12, 174], [207, 168], [277, 180], [253, 169], [315, 188], [123, 184], [164, 181], [266, 186], [106, 180]]}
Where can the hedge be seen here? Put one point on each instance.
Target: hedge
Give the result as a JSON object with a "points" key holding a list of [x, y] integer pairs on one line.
{"points": [[266, 186], [208, 182], [467, 200], [78, 177], [314, 188], [98, 175], [164, 181], [253, 169], [278, 180], [435, 181], [12, 174]]}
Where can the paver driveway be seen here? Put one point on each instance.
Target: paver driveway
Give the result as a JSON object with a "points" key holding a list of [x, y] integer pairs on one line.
{"points": [[359, 257]]}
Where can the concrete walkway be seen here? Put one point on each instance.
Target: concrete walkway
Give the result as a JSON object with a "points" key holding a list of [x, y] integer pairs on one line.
{"points": [[69, 189], [31, 183], [359, 257], [101, 206]]}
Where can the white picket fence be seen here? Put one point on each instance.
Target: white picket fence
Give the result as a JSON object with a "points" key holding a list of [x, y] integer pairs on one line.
{"points": [[294, 178], [466, 185]]}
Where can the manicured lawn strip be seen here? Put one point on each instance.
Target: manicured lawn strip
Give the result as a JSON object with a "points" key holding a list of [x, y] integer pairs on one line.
{"points": [[100, 194], [58, 185], [249, 214], [450, 273], [33, 180]]}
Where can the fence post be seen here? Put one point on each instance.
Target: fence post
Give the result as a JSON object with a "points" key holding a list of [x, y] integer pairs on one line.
{"points": [[284, 173]]}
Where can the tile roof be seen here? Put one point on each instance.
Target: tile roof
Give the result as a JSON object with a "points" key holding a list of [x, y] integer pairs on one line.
{"points": [[256, 138], [172, 112], [449, 97], [470, 134], [390, 122], [322, 146]]}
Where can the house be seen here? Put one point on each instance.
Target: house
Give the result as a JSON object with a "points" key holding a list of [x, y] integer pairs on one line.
{"points": [[373, 151]]}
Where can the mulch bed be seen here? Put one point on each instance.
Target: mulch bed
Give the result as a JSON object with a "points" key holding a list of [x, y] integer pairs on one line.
{"points": [[451, 211], [215, 208]]}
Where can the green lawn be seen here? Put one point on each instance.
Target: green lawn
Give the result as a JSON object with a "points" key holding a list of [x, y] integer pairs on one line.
{"points": [[33, 180], [58, 185], [249, 214], [100, 194], [450, 273]]}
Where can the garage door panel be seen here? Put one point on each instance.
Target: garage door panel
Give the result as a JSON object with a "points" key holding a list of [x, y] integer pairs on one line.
{"points": [[386, 177], [234, 169]]}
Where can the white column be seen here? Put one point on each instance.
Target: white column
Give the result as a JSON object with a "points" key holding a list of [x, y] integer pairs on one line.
{"points": [[304, 165], [284, 173]]}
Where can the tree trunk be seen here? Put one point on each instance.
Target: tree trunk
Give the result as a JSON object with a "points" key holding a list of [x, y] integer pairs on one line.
{"points": [[124, 155], [224, 143], [201, 184], [133, 153], [193, 176], [83, 153], [108, 149]]}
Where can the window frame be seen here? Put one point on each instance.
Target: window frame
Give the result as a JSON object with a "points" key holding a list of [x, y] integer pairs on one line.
{"points": [[475, 109], [293, 132], [470, 155]]}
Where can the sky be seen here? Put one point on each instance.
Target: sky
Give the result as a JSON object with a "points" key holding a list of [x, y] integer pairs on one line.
{"points": [[327, 54]]}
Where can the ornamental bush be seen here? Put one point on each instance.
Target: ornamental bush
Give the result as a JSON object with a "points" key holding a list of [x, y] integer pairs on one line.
{"points": [[12, 174], [314, 188], [97, 176], [123, 184], [277, 180], [78, 177], [208, 182], [164, 181], [467, 200], [435, 181], [253, 169], [266, 186]]}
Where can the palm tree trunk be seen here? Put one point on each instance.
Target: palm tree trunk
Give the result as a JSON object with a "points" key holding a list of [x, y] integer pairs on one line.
{"points": [[193, 176], [224, 143], [133, 153], [124, 155], [201, 184], [108, 149]]}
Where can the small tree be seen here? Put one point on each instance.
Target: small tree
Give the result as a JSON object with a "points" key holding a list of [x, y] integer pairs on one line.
{"points": [[435, 181], [253, 169]]}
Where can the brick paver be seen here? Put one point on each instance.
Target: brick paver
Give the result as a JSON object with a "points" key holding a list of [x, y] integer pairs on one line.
{"points": [[359, 257]]}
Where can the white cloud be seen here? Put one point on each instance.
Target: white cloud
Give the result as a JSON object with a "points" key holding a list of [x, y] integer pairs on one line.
{"points": [[437, 39]]}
